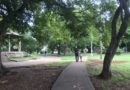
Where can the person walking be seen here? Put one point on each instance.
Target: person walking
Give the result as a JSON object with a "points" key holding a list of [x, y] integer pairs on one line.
{"points": [[45, 53], [80, 55], [76, 51]]}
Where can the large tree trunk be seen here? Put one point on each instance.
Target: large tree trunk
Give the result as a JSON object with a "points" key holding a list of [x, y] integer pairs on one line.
{"points": [[116, 37], [3, 28], [106, 72], [3, 70]]}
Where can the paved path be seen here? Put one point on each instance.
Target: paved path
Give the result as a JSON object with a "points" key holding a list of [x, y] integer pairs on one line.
{"points": [[74, 77], [41, 60]]}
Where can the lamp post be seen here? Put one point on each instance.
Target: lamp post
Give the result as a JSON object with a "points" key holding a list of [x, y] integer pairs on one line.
{"points": [[9, 45], [101, 46]]}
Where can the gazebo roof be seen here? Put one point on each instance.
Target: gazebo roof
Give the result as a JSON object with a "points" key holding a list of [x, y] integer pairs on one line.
{"points": [[13, 34]]}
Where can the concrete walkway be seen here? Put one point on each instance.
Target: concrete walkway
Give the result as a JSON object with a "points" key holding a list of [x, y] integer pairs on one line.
{"points": [[74, 77]]}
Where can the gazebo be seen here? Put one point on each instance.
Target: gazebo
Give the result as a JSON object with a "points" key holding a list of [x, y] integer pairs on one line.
{"points": [[14, 35], [13, 53]]}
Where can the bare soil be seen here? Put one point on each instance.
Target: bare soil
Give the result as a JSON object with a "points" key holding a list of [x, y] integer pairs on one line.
{"points": [[30, 78]]}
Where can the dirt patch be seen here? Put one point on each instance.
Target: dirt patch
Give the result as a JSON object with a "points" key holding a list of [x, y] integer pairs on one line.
{"points": [[101, 62], [30, 78]]}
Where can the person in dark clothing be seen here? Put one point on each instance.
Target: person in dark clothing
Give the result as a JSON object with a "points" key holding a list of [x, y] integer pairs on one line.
{"points": [[76, 52], [45, 53]]}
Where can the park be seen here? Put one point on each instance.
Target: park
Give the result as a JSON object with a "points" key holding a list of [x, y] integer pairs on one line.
{"points": [[64, 45]]}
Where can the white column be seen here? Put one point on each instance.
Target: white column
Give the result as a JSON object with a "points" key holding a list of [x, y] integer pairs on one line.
{"points": [[101, 47], [9, 48], [91, 48], [19, 45]]}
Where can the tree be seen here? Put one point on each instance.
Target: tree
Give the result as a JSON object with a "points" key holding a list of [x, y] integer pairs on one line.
{"points": [[123, 11], [28, 43], [14, 14], [7, 16], [93, 37], [125, 42], [59, 35]]}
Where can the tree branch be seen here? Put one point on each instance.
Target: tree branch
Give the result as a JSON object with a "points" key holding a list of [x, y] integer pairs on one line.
{"points": [[1, 7], [126, 18], [114, 22]]}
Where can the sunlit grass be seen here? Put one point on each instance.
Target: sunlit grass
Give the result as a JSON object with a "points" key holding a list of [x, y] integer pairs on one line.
{"points": [[121, 57], [68, 58]]}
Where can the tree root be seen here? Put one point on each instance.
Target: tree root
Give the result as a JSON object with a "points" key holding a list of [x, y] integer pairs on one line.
{"points": [[105, 76]]}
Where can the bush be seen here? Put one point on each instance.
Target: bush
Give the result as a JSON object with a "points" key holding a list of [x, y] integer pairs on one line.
{"points": [[119, 51]]}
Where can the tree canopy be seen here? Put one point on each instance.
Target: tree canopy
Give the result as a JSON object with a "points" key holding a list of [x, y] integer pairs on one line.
{"points": [[68, 23]]}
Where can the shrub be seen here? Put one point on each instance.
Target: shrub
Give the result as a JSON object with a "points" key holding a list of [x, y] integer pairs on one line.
{"points": [[119, 51]]}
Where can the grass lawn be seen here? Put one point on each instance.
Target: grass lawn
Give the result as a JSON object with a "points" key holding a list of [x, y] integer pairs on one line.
{"points": [[66, 60], [119, 81], [121, 73], [18, 59], [124, 56]]}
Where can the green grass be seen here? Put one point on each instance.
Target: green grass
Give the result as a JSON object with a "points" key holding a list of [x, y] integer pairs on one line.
{"points": [[121, 73], [31, 57], [120, 78], [124, 57], [121, 57], [63, 63], [68, 58]]}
